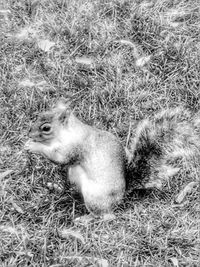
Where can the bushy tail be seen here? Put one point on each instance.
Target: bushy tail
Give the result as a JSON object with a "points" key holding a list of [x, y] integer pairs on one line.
{"points": [[163, 147], [146, 151]]}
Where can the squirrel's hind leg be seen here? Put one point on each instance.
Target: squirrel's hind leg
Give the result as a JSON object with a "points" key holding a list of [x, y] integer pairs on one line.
{"points": [[98, 211], [95, 214], [101, 206]]}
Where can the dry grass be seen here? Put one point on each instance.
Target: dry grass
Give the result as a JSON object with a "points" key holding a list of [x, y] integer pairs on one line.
{"points": [[118, 61]]}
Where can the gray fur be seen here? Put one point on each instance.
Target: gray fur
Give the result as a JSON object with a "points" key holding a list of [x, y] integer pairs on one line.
{"points": [[166, 148], [95, 158]]}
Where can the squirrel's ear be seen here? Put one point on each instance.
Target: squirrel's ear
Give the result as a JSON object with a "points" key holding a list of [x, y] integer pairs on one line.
{"points": [[63, 110], [62, 104]]}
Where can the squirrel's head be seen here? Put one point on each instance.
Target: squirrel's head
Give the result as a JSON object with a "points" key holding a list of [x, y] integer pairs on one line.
{"points": [[48, 123]]}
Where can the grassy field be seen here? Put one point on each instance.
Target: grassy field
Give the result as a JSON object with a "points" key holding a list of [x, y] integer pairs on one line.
{"points": [[117, 61]]}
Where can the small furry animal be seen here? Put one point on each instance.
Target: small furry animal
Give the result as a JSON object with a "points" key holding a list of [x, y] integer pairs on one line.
{"points": [[166, 146], [95, 159]]}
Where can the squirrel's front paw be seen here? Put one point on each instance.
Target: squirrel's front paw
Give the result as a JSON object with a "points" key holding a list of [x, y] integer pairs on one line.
{"points": [[29, 146]]}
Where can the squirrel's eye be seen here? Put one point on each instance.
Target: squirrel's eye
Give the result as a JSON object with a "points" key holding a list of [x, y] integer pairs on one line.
{"points": [[46, 128]]}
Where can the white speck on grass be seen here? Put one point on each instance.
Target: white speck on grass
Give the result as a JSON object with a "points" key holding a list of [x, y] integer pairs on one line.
{"points": [[174, 261], [54, 186], [45, 45], [5, 12], [4, 174], [65, 233], [26, 33], [16, 207], [100, 262], [85, 61], [9, 229], [131, 44], [142, 61], [27, 83]]}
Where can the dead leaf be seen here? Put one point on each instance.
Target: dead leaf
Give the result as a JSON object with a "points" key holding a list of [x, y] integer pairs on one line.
{"points": [[45, 45], [65, 233], [102, 262], [169, 171], [85, 61], [4, 174], [174, 261], [84, 219], [174, 24], [22, 34], [41, 83], [186, 190], [54, 186], [33, 6], [142, 61], [126, 42], [5, 11], [24, 253], [128, 155], [131, 44], [146, 5], [9, 229], [26, 32], [26, 83], [16, 207]]}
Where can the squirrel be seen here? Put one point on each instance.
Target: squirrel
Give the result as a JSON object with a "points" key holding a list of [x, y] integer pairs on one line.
{"points": [[166, 146], [95, 159]]}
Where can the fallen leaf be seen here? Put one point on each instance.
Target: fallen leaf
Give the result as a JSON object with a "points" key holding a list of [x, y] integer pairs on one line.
{"points": [[33, 5], [22, 34], [146, 5], [5, 11], [84, 219], [140, 62], [186, 190], [26, 32], [96, 261], [9, 229], [131, 44], [85, 61], [174, 261], [128, 155], [24, 253], [42, 83], [174, 24], [126, 42], [102, 262], [27, 83], [16, 207], [54, 186], [56, 265], [4, 174], [4, 14], [65, 233], [171, 171], [45, 45]]}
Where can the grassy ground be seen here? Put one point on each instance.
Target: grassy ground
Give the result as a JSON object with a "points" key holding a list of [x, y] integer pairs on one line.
{"points": [[118, 61]]}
